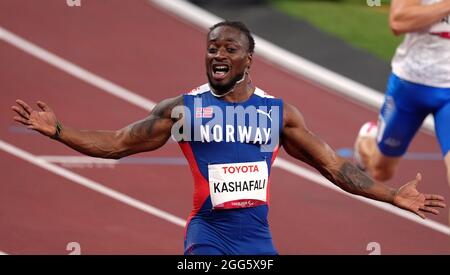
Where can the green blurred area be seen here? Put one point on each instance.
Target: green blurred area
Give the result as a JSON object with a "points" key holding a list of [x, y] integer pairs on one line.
{"points": [[353, 21]]}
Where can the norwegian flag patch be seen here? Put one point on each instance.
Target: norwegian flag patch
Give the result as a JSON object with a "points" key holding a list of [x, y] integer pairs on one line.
{"points": [[204, 112]]}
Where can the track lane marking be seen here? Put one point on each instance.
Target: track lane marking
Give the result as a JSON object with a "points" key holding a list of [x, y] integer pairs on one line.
{"points": [[93, 185]]}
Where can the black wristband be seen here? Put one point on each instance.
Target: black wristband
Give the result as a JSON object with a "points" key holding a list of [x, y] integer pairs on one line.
{"points": [[58, 131]]}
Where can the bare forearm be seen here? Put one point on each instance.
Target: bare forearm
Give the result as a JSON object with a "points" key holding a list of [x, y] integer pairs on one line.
{"points": [[416, 17], [304, 145], [141, 136], [101, 144], [351, 179], [341, 172]]}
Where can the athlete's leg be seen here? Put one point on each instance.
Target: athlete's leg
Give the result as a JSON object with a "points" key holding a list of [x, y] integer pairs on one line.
{"points": [[442, 125], [379, 166], [380, 148]]}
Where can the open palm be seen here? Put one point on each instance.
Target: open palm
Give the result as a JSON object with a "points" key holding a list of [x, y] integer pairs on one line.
{"points": [[42, 121], [409, 198]]}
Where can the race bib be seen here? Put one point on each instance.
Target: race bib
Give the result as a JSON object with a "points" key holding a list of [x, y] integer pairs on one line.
{"points": [[238, 185]]}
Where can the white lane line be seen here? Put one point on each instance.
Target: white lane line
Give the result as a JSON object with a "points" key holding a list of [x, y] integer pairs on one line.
{"points": [[319, 179], [282, 163], [74, 70], [95, 186], [3, 253], [288, 60]]}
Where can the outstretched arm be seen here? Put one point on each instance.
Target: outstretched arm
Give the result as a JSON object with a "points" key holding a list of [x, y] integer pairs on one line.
{"points": [[410, 15], [302, 144], [145, 135]]}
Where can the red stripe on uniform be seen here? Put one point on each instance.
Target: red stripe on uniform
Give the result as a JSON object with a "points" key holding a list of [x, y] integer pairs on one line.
{"points": [[274, 156], [201, 186]]}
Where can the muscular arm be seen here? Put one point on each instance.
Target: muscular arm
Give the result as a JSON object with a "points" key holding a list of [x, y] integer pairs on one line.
{"points": [[302, 144], [410, 15], [144, 135]]}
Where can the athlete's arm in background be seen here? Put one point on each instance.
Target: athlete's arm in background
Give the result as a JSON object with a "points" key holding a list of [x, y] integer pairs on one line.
{"points": [[302, 144], [411, 16], [144, 135]]}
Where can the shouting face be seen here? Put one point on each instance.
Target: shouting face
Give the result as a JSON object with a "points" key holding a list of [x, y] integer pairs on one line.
{"points": [[227, 58]]}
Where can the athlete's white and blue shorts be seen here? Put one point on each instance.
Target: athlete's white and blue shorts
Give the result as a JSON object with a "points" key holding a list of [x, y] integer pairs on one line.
{"points": [[405, 107]]}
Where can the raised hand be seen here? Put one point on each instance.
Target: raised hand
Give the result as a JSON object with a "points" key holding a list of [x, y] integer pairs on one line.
{"points": [[42, 121], [409, 198]]}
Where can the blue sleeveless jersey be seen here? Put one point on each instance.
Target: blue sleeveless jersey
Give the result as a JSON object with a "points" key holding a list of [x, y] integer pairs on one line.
{"points": [[230, 148]]}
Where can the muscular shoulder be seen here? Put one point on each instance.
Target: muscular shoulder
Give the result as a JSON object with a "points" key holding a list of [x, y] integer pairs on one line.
{"points": [[164, 108], [292, 116]]}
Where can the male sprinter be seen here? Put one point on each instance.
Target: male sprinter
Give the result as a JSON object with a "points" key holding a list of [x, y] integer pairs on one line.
{"points": [[230, 162], [419, 85]]}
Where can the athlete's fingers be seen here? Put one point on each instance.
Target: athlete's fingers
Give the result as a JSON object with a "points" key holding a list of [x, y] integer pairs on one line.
{"points": [[420, 214], [429, 210], [417, 179], [43, 106], [20, 112], [25, 106], [22, 120], [434, 197], [434, 203]]}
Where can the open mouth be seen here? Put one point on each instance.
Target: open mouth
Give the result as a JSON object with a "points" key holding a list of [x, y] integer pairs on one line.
{"points": [[220, 71]]}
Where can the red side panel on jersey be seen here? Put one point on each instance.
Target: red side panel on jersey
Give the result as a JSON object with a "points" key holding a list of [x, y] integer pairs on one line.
{"points": [[201, 186], [274, 156]]}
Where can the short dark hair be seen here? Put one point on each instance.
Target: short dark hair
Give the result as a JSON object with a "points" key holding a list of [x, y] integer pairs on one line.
{"points": [[240, 27]]}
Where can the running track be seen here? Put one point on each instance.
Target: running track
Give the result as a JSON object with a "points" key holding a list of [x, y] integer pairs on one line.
{"points": [[155, 55]]}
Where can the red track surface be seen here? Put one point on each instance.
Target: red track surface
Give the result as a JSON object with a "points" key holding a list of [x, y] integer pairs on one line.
{"points": [[155, 55]]}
